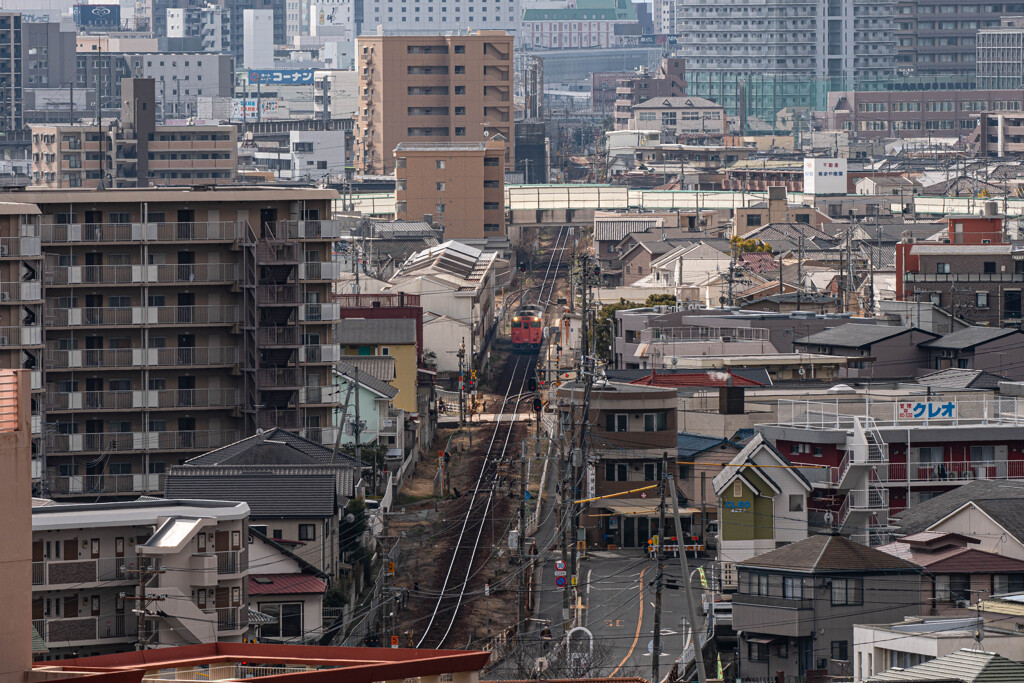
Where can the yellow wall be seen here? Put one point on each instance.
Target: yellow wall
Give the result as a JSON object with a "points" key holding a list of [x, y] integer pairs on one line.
{"points": [[405, 372]]}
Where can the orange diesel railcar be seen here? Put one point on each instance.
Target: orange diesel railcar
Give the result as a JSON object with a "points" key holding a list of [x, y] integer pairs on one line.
{"points": [[527, 329]]}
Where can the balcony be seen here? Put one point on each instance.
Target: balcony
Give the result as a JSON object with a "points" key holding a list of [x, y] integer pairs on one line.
{"points": [[142, 315], [278, 336], [278, 378], [277, 254], [211, 231], [232, 561], [277, 295], [273, 419], [20, 292], [956, 472], [306, 230], [328, 395], [17, 337], [323, 435], [139, 274], [65, 632], [319, 271], [319, 313], [137, 399], [129, 442], [319, 353], [963, 277], [20, 247], [209, 356], [56, 573], [232, 618], [105, 484]]}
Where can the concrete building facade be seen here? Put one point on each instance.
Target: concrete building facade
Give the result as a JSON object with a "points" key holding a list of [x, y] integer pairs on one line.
{"points": [[454, 88], [460, 185]]}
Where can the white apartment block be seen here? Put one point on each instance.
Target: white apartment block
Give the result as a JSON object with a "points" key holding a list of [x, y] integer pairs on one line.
{"points": [[86, 565], [434, 17], [839, 40], [258, 39]]}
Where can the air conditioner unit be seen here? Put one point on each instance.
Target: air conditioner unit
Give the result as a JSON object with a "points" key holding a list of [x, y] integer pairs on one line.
{"points": [[3, 250], [5, 296], [3, 341], [963, 604]]}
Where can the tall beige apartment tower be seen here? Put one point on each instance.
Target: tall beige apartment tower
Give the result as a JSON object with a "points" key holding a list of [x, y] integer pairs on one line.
{"points": [[430, 89]]}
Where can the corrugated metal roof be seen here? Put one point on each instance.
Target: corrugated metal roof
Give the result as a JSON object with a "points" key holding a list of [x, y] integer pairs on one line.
{"points": [[348, 371], [608, 229], [381, 367]]}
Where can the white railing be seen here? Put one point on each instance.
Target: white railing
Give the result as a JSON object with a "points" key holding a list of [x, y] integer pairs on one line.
{"points": [[143, 232], [121, 400], [141, 315], [110, 442], [901, 412], [129, 358]]}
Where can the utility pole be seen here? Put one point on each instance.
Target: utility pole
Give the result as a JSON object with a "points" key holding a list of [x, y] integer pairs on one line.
{"points": [[660, 579], [146, 573], [799, 267], [462, 381], [691, 611], [357, 429]]}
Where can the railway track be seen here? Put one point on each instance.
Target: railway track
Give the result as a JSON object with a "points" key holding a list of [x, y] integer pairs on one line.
{"points": [[457, 589]]}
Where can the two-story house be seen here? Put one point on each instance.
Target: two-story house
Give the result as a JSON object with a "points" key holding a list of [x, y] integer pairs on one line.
{"points": [[872, 351], [796, 606]]}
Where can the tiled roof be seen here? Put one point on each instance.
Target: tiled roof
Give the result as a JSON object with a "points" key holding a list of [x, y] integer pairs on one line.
{"points": [[355, 331], [272, 447], [969, 337], [923, 515], [684, 102], [854, 335], [381, 367], [828, 553], [960, 378], [613, 228], [269, 495], [690, 445], [963, 666], [367, 380], [284, 584]]}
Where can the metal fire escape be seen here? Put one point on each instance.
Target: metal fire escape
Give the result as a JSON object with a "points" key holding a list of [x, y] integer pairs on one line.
{"points": [[270, 333], [864, 514]]}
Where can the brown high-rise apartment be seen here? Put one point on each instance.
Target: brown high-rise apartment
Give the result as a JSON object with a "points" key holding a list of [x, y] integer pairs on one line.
{"points": [[461, 185], [172, 322], [455, 88]]}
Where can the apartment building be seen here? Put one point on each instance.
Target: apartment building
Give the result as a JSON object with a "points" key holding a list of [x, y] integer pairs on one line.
{"points": [[460, 185], [454, 88], [668, 81], [680, 117], [175, 322], [86, 564], [1000, 134], [10, 71], [136, 151], [599, 23]]}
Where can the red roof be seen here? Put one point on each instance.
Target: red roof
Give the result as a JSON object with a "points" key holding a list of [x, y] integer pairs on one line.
{"points": [[284, 584], [759, 262], [712, 378]]}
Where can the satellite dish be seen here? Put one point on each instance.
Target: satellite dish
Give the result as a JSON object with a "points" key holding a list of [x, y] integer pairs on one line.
{"points": [[487, 133]]}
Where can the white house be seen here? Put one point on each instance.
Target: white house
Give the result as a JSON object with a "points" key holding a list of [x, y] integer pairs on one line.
{"points": [[983, 520], [288, 589], [686, 115], [687, 265]]}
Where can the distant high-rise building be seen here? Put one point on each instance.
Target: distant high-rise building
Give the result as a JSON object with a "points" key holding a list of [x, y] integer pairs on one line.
{"points": [[938, 38], [436, 89], [1001, 55], [258, 37], [431, 17], [781, 53], [10, 71]]}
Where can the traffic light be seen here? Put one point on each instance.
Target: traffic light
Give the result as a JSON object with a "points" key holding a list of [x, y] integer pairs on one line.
{"points": [[537, 405], [522, 267], [597, 271], [531, 384]]}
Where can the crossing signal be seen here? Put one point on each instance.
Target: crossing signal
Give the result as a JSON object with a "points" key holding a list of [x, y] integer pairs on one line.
{"points": [[531, 384], [522, 267], [597, 271]]}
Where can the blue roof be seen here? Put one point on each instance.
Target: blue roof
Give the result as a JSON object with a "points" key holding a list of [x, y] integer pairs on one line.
{"points": [[694, 444]]}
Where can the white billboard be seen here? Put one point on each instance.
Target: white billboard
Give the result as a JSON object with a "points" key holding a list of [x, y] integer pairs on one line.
{"points": [[825, 176]]}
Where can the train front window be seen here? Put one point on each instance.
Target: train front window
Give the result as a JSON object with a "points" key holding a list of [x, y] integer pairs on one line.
{"points": [[535, 323]]}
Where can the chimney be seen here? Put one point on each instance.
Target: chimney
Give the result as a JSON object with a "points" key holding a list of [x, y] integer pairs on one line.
{"points": [[731, 399]]}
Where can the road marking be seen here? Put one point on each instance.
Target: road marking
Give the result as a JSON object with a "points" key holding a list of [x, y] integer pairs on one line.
{"points": [[639, 625], [586, 617]]}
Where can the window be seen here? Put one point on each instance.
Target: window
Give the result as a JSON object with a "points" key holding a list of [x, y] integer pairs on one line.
{"points": [[439, 163], [737, 488], [460, 131], [952, 587], [757, 652], [460, 69], [289, 619], [847, 591], [758, 584], [616, 422], [460, 111], [753, 220], [840, 651], [942, 268], [652, 471], [982, 299], [989, 267], [796, 502], [983, 453], [307, 532], [616, 471], [792, 588], [655, 422], [1007, 583], [439, 186]]}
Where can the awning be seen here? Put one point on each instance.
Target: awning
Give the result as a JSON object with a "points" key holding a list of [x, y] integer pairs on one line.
{"points": [[641, 349], [641, 507], [764, 640]]}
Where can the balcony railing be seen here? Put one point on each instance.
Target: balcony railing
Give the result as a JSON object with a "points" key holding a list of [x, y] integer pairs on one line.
{"points": [[319, 312], [957, 471], [319, 353], [963, 277], [232, 618], [269, 378], [20, 247], [277, 295], [316, 270], [284, 335], [211, 231], [127, 442], [94, 484], [232, 561], [15, 292], [210, 356], [140, 274], [142, 315], [13, 337], [307, 230], [62, 572], [62, 631], [139, 399]]}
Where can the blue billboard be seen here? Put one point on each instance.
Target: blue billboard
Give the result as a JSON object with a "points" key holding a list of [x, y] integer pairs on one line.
{"points": [[98, 15], [281, 76]]}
